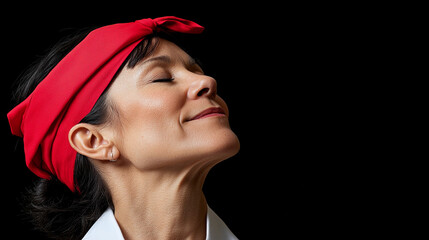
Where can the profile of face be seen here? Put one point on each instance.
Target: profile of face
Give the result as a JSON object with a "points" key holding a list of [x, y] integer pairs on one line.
{"points": [[168, 114]]}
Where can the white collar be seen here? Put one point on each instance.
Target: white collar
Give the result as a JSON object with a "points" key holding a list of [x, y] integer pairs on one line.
{"points": [[107, 228]]}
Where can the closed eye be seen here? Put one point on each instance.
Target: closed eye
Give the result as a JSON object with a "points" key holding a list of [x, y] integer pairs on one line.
{"points": [[163, 80]]}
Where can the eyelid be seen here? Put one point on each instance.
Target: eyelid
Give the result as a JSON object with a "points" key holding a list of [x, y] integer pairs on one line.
{"points": [[162, 80]]}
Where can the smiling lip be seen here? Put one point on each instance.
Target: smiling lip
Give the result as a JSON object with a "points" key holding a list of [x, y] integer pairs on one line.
{"points": [[210, 112]]}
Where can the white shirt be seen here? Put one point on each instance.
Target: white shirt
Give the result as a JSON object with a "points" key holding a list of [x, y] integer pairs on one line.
{"points": [[106, 228]]}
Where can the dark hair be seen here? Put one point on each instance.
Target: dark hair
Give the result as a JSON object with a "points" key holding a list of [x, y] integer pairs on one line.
{"points": [[51, 206]]}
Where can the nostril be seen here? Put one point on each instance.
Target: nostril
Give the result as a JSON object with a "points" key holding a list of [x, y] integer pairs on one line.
{"points": [[202, 92]]}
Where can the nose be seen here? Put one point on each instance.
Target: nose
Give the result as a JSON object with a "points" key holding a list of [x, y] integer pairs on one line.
{"points": [[205, 86]]}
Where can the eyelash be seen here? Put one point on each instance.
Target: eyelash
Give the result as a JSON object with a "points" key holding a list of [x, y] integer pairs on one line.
{"points": [[163, 80]]}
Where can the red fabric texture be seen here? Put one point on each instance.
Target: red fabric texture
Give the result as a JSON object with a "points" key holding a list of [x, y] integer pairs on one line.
{"points": [[71, 89]]}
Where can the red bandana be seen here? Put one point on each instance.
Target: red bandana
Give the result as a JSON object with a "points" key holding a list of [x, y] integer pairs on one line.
{"points": [[71, 89]]}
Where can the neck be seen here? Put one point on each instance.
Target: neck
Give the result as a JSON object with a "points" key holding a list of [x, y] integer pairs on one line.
{"points": [[160, 204]]}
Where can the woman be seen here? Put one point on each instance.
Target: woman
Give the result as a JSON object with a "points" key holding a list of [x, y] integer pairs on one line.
{"points": [[123, 128]]}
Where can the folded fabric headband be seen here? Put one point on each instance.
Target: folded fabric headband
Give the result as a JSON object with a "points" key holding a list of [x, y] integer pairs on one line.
{"points": [[72, 88]]}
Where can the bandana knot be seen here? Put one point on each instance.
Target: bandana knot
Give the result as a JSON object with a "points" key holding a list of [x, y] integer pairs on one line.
{"points": [[149, 23]]}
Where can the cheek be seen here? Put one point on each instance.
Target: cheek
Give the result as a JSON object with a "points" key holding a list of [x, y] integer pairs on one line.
{"points": [[149, 124], [151, 108]]}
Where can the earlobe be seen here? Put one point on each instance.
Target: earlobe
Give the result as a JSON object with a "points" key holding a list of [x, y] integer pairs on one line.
{"points": [[88, 141]]}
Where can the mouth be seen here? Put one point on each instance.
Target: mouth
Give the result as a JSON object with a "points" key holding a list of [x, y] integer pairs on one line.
{"points": [[209, 112]]}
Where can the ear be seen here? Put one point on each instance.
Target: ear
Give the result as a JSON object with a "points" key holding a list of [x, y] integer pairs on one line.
{"points": [[88, 141]]}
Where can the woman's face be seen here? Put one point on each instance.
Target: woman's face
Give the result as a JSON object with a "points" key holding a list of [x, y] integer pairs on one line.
{"points": [[169, 113]]}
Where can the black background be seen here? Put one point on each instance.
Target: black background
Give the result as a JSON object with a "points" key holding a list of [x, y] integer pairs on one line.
{"points": [[289, 76]]}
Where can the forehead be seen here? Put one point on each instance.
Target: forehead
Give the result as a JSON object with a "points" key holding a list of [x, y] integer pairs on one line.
{"points": [[170, 49]]}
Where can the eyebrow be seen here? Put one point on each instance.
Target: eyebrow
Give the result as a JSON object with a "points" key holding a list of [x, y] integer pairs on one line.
{"points": [[166, 59], [162, 58]]}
